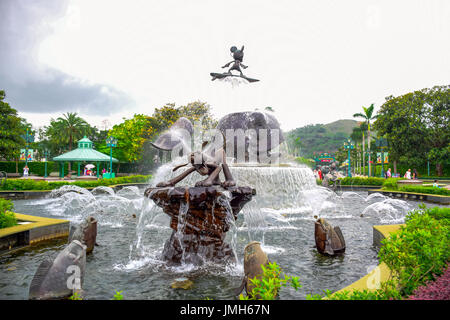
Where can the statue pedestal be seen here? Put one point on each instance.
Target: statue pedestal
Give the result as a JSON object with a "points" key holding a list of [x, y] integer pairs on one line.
{"points": [[200, 218]]}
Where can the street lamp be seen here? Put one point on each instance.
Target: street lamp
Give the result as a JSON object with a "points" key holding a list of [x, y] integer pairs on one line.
{"points": [[349, 146], [46, 154], [382, 143], [112, 143], [28, 138]]}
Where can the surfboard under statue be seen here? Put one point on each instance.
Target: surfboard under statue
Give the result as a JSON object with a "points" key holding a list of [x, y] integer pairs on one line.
{"points": [[224, 75]]}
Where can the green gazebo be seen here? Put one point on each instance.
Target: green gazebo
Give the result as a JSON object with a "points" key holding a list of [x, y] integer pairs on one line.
{"points": [[84, 153]]}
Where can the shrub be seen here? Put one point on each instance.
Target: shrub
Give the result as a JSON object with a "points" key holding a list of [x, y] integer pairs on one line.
{"points": [[427, 190], [118, 295], [391, 183], [29, 184], [362, 181], [387, 291], [419, 250], [268, 285], [7, 218]]}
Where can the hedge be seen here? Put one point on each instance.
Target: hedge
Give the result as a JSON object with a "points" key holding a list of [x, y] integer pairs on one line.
{"points": [[362, 181], [391, 184], [402, 168], [29, 184], [427, 190], [36, 167]]}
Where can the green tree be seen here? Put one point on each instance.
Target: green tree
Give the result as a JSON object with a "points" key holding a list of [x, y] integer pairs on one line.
{"points": [[367, 117], [130, 136], [417, 126], [11, 130], [66, 130]]}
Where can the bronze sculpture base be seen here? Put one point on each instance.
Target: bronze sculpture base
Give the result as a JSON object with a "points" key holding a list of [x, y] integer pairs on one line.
{"points": [[200, 218]]}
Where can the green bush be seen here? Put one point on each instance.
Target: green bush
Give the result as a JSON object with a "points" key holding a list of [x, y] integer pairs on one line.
{"points": [[29, 184], [268, 285], [387, 291], [36, 167], [427, 190], [7, 218], [362, 181], [391, 184], [420, 250]]}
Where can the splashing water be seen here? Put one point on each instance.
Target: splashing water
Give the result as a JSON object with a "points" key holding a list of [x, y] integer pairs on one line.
{"points": [[388, 210], [234, 81]]}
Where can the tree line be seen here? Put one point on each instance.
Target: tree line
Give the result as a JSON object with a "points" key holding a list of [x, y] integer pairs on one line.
{"points": [[61, 135], [416, 126]]}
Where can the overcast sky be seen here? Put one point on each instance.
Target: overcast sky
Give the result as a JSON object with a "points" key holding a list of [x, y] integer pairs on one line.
{"points": [[318, 61]]}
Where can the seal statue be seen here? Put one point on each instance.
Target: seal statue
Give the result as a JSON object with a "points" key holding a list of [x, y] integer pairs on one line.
{"points": [[86, 233], [58, 278], [254, 257], [329, 240]]}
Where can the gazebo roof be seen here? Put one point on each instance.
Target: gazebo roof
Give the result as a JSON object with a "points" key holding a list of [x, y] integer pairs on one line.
{"points": [[84, 152]]}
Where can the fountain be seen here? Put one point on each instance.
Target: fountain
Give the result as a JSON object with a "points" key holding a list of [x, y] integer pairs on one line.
{"points": [[202, 214]]}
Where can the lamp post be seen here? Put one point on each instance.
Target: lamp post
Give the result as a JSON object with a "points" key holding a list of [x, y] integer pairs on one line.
{"points": [[28, 138], [349, 146], [382, 143], [111, 142], [46, 153]]}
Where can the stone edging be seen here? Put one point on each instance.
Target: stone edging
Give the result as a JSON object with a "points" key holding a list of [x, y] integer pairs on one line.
{"points": [[38, 229], [434, 198]]}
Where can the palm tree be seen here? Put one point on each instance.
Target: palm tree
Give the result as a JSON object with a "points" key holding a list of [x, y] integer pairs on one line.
{"points": [[367, 117], [70, 127]]}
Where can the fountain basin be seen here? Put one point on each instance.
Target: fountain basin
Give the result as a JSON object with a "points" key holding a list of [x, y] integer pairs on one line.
{"points": [[200, 217]]}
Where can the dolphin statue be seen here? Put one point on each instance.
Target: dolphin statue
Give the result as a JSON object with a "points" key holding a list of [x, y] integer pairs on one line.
{"points": [[86, 233], [329, 240], [58, 278], [254, 257]]}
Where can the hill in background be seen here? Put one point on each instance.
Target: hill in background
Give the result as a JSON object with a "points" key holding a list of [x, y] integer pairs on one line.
{"points": [[319, 137]]}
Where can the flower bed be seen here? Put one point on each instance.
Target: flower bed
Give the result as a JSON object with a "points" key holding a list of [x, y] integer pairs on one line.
{"points": [[434, 290]]}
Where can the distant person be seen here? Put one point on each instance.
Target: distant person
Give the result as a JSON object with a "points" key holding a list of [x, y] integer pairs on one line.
{"points": [[103, 171], [84, 172], [388, 173], [415, 175], [25, 171], [319, 172], [435, 184], [408, 174]]}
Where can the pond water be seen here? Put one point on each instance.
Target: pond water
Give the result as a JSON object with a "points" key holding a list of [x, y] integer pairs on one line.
{"points": [[132, 232]]}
